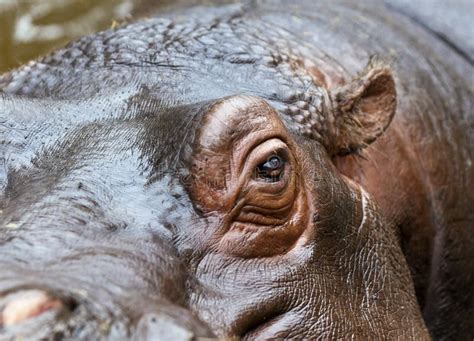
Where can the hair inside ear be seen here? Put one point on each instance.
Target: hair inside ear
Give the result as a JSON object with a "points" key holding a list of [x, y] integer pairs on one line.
{"points": [[363, 109]]}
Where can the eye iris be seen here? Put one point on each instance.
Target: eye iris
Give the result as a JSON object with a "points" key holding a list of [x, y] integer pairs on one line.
{"points": [[273, 163], [271, 169]]}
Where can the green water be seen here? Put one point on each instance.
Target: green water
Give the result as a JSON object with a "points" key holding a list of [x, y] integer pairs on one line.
{"points": [[29, 29]]}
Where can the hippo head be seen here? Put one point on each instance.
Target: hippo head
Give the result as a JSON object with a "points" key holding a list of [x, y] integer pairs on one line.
{"points": [[213, 217]]}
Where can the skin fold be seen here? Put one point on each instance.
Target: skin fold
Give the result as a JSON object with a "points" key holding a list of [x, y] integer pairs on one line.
{"points": [[256, 170]]}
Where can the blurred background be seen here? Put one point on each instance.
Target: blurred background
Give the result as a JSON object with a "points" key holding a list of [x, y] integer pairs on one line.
{"points": [[32, 28]]}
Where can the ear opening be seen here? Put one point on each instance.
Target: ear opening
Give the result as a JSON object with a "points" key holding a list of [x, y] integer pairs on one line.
{"points": [[363, 109]]}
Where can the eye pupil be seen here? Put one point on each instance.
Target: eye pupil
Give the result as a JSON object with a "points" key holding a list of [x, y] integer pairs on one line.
{"points": [[271, 170], [273, 163]]}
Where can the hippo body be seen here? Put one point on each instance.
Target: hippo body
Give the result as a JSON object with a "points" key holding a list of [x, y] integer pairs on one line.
{"points": [[262, 170]]}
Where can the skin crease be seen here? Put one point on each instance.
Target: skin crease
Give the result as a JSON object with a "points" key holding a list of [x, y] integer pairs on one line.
{"points": [[128, 186]]}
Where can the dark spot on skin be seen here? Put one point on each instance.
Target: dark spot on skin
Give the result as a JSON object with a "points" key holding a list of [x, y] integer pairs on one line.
{"points": [[80, 221], [112, 227], [315, 217], [168, 226]]}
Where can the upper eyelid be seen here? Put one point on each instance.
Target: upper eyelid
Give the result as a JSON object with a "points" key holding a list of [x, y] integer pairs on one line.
{"points": [[281, 152], [247, 152]]}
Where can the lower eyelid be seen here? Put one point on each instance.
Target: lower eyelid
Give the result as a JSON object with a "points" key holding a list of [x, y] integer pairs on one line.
{"points": [[279, 176]]}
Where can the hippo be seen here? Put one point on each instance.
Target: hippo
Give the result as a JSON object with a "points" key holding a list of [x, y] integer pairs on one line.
{"points": [[257, 170]]}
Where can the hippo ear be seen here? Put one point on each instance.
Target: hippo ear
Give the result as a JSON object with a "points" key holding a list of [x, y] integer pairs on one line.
{"points": [[363, 109]]}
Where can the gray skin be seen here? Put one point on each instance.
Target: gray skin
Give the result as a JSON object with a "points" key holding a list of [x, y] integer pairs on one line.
{"points": [[109, 203]]}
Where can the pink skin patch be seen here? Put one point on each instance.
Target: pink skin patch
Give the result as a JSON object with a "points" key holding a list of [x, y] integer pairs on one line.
{"points": [[25, 305]]}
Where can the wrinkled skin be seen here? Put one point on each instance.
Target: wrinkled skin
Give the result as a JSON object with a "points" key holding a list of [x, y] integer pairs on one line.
{"points": [[134, 205]]}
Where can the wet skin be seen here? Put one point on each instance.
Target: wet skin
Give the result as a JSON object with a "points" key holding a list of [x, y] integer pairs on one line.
{"points": [[240, 171]]}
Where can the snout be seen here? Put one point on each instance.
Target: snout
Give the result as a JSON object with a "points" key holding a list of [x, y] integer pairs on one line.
{"points": [[32, 314], [22, 306], [38, 314]]}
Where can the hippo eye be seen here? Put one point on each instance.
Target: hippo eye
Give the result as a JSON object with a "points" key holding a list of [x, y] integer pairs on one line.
{"points": [[271, 170]]}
